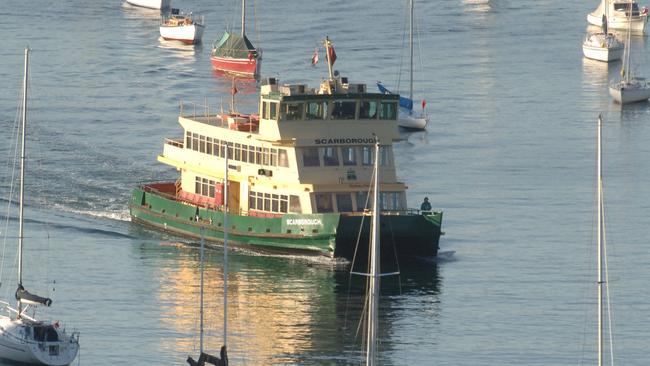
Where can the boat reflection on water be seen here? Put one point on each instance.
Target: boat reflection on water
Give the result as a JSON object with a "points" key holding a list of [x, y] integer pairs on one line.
{"points": [[282, 310], [245, 85], [480, 6], [181, 49]]}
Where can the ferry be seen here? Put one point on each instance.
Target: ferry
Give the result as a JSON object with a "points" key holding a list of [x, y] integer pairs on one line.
{"points": [[294, 178]]}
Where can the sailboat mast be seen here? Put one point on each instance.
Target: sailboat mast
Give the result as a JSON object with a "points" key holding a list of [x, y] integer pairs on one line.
{"points": [[22, 182], [328, 44], [201, 308], [599, 195], [411, 49], [373, 295], [243, 18], [225, 251]]}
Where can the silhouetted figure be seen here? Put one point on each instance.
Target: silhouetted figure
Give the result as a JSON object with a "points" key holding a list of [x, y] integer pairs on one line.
{"points": [[207, 358], [425, 206]]}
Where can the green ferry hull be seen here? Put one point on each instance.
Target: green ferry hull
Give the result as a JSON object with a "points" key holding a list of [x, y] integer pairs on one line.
{"points": [[328, 234]]}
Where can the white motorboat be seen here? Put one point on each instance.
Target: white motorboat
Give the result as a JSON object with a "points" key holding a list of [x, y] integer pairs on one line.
{"points": [[602, 47], [629, 89], [619, 15], [151, 4], [22, 337], [183, 27]]}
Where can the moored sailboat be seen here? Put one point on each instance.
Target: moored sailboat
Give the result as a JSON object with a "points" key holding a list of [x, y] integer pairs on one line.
{"points": [[184, 27], [629, 89], [23, 338], [602, 46], [621, 14], [235, 54], [151, 4], [408, 118]]}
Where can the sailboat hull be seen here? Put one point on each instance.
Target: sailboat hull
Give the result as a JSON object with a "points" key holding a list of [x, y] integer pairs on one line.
{"points": [[630, 92], [249, 67], [17, 343], [411, 122], [619, 19]]}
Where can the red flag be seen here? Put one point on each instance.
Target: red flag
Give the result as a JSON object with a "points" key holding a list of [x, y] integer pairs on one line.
{"points": [[331, 54], [314, 58], [424, 103], [234, 90]]}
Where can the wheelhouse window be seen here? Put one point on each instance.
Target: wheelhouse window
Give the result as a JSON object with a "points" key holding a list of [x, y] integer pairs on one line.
{"points": [[349, 156], [294, 204], [362, 198], [292, 111], [324, 202], [368, 109], [316, 110], [273, 111], [310, 156], [388, 110], [389, 200], [265, 110], [383, 156], [330, 156], [344, 109], [188, 140]]}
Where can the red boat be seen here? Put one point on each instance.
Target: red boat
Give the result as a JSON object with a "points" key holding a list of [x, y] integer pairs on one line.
{"points": [[235, 54]]}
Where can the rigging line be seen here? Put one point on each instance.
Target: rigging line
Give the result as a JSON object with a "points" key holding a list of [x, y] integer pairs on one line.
{"points": [[609, 303], [399, 271], [401, 58], [16, 132]]}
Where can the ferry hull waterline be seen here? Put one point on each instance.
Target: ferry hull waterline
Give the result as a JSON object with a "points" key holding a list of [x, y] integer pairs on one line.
{"points": [[332, 235]]}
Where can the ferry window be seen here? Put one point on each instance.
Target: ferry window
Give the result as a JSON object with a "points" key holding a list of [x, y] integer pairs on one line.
{"points": [[389, 200], [202, 143], [330, 156], [294, 204], [188, 140], [211, 189], [362, 199], [283, 159], [343, 109], [315, 110], [222, 149], [367, 155], [368, 109], [260, 201], [265, 156], [197, 185], [344, 202], [267, 202], [292, 111], [195, 141], [383, 155], [324, 202], [349, 156], [251, 200], [310, 156], [244, 153], [258, 155], [275, 203], [265, 112], [284, 203], [274, 157], [388, 111], [215, 147], [208, 145], [238, 152], [274, 111], [251, 154]]}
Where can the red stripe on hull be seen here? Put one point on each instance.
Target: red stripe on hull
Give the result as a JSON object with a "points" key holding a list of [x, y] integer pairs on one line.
{"points": [[235, 65]]}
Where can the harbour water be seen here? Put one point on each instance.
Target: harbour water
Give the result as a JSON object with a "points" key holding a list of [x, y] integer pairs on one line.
{"points": [[508, 155]]}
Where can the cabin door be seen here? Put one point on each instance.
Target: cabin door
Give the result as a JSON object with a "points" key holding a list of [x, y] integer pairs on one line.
{"points": [[233, 197]]}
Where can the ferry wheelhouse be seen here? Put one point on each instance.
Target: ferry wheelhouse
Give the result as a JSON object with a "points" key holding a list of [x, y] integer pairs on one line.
{"points": [[297, 176]]}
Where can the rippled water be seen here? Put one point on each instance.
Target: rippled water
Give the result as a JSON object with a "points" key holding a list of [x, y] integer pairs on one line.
{"points": [[509, 156]]}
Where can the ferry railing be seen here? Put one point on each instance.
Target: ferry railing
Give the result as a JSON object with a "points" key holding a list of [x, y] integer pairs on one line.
{"points": [[175, 142], [404, 212], [210, 117]]}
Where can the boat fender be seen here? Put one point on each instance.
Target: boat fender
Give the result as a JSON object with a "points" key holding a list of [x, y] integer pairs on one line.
{"points": [[644, 10], [56, 324]]}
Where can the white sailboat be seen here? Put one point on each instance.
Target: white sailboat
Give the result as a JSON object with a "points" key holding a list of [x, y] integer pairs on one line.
{"points": [[619, 15], [629, 89], [603, 46], [182, 26], [408, 118], [151, 4], [204, 357], [22, 337]]}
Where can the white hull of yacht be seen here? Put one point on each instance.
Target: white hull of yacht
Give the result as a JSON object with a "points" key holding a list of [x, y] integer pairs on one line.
{"points": [[17, 344], [602, 47], [636, 90], [151, 4], [637, 23], [188, 34], [411, 121]]}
